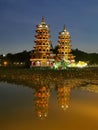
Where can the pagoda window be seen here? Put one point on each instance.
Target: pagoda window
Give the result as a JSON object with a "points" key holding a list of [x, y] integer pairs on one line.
{"points": [[44, 57], [62, 52], [40, 33], [39, 49], [43, 49], [33, 56]]}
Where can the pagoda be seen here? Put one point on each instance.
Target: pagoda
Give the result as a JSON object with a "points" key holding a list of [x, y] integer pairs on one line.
{"points": [[64, 47], [43, 47]]}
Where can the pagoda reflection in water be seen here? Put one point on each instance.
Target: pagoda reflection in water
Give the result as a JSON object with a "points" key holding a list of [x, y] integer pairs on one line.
{"points": [[41, 99], [63, 97], [42, 96]]}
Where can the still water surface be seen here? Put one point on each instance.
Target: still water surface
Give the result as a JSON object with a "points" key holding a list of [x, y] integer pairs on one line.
{"points": [[24, 108]]}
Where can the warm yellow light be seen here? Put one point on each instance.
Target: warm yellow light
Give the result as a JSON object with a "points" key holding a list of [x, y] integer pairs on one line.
{"points": [[5, 63], [80, 64]]}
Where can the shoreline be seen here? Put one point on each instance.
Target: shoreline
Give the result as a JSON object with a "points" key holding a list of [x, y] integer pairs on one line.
{"points": [[36, 78]]}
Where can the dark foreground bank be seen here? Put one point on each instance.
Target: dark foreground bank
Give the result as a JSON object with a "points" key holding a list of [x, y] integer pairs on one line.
{"points": [[38, 77]]}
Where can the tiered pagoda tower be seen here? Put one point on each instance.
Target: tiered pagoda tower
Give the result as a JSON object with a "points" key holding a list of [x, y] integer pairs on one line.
{"points": [[64, 47], [43, 47]]}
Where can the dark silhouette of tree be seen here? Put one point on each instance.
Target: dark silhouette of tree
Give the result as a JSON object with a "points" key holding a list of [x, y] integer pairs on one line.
{"points": [[24, 57], [91, 58], [55, 50]]}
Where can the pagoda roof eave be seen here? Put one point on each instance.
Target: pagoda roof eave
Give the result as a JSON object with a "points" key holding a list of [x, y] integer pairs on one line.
{"points": [[38, 59]]}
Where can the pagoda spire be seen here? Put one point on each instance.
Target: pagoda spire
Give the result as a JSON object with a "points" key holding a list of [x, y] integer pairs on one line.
{"points": [[43, 20], [64, 28]]}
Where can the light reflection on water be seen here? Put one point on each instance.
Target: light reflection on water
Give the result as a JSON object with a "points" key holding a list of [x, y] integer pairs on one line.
{"points": [[41, 99], [23, 108]]}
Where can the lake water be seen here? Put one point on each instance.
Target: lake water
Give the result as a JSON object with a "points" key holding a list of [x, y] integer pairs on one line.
{"points": [[24, 108]]}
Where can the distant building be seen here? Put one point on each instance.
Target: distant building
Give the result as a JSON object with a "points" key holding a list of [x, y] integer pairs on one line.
{"points": [[43, 54]]}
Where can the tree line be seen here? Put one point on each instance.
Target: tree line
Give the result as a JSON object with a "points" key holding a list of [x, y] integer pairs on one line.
{"points": [[23, 58]]}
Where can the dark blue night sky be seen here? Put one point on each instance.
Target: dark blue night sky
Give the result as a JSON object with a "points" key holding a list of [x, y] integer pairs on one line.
{"points": [[18, 20]]}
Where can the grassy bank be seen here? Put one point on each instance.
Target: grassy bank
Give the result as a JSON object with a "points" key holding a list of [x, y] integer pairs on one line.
{"points": [[50, 78]]}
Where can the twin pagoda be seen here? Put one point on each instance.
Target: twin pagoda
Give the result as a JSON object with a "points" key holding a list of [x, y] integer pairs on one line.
{"points": [[43, 51]]}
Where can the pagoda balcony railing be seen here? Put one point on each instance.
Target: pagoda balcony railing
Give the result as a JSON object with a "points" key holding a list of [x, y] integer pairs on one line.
{"points": [[37, 45], [42, 36], [42, 26], [44, 52], [44, 49], [64, 42], [64, 55], [66, 50], [42, 41], [64, 46], [60, 45], [42, 31], [64, 36]]}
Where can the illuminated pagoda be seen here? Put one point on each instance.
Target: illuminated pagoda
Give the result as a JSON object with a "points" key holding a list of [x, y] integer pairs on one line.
{"points": [[64, 47], [42, 55]]}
